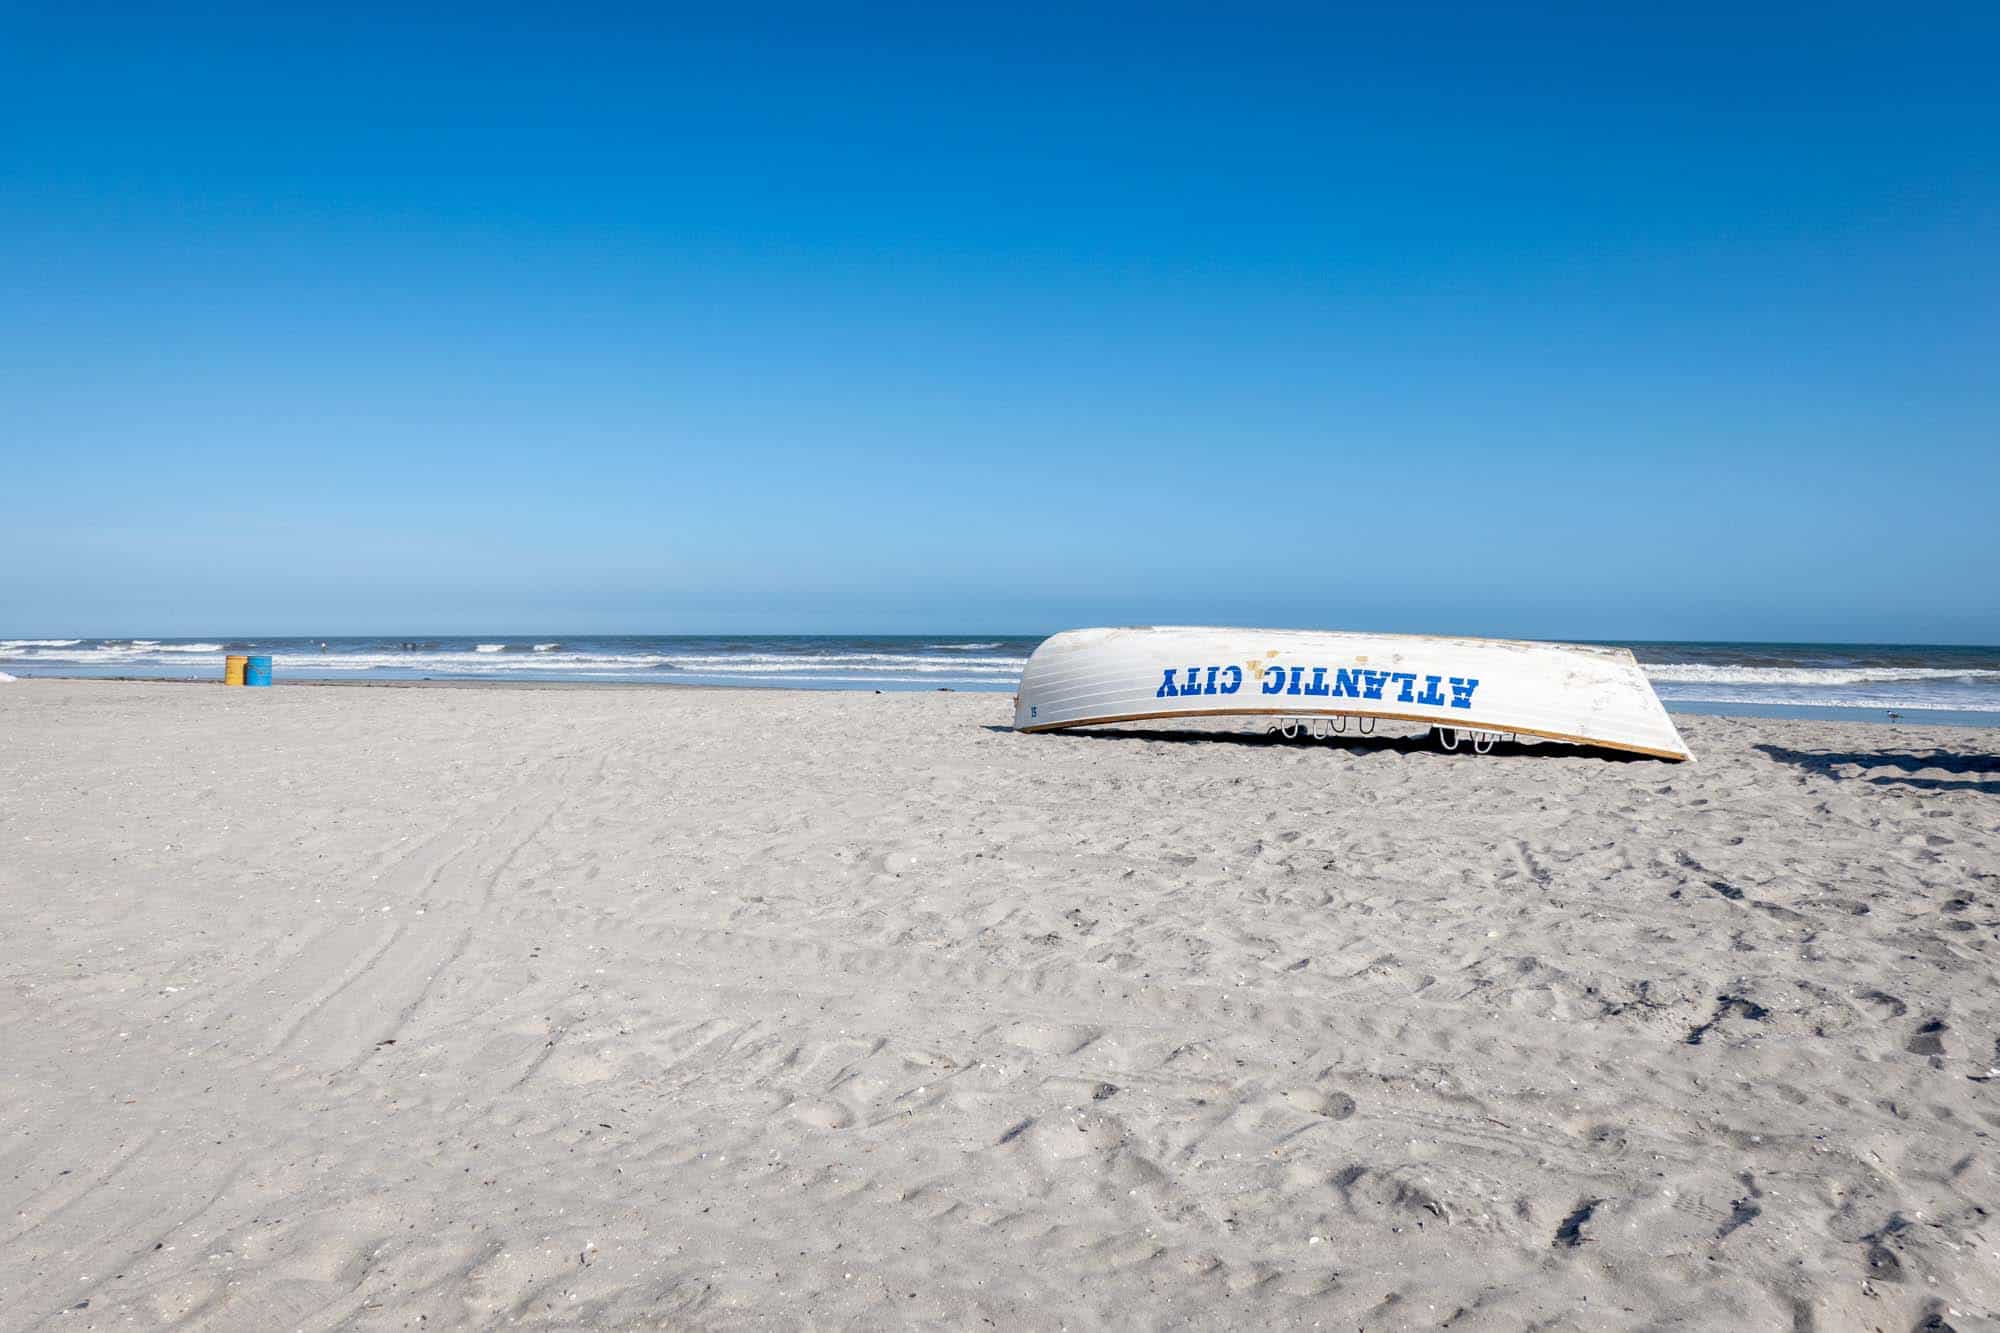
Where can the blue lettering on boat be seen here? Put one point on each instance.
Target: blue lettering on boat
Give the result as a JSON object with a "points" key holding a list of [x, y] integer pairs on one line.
{"points": [[1347, 683]]}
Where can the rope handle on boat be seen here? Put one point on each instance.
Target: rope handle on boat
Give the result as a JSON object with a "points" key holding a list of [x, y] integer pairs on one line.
{"points": [[1449, 739]]}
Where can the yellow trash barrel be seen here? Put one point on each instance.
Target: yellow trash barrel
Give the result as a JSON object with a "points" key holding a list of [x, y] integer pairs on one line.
{"points": [[232, 669]]}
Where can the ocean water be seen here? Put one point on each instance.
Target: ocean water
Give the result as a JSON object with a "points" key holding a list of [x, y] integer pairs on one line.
{"points": [[1940, 683]]}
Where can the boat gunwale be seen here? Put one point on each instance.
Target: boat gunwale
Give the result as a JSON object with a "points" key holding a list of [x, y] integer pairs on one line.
{"points": [[1679, 757]]}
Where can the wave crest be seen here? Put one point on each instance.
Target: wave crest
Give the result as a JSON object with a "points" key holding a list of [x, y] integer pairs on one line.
{"points": [[1695, 672]]}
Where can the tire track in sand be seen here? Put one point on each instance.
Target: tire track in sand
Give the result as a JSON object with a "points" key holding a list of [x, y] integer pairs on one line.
{"points": [[398, 968]]}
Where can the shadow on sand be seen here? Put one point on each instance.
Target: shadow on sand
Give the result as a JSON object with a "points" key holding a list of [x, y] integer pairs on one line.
{"points": [[1904, 763], [1351, 743]]}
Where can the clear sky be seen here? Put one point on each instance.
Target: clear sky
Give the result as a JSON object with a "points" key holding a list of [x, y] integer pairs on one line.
{"points": [[1683, 324]]}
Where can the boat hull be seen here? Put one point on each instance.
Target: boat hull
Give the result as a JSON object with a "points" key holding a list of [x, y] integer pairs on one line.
{"points": [[1565, 692]]}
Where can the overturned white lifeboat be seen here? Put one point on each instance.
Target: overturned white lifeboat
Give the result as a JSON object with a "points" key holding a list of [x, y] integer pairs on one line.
{"points": [[1485, 687]]}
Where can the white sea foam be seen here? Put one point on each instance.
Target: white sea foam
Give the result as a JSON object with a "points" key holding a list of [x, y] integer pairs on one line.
{"points": [[747, 668], [6, 679], [825, 661], [493, 657], [1893, 703], [960, 665], [469, 663], [1749, 675], [120, 652], [748, 665], [711, 667]]}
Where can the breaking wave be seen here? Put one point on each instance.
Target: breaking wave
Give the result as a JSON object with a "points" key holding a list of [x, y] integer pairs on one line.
{"points": [[1913, 679], [1696, 672]]}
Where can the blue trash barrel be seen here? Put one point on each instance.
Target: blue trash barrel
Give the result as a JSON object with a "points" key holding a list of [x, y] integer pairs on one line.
{"points": [[257, 671]]}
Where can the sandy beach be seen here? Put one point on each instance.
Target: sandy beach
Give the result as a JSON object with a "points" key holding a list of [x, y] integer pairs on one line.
{"points": [[390, 1008]]}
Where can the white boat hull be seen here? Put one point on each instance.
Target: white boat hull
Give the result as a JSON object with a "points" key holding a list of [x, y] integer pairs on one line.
{"points": [[1563, 692]]}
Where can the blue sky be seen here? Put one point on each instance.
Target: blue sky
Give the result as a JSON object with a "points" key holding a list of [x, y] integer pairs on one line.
{"points": [[1682, 324]]}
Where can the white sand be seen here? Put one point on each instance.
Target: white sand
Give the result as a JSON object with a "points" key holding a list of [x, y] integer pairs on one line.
{"points": [[364, 1007]]}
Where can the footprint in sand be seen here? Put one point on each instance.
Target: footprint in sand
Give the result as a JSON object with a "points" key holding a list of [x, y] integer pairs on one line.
{"points": [[823, 1115], [1067, 1138], [1051, 1038], [1332, 1105], [579, 1067]]}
